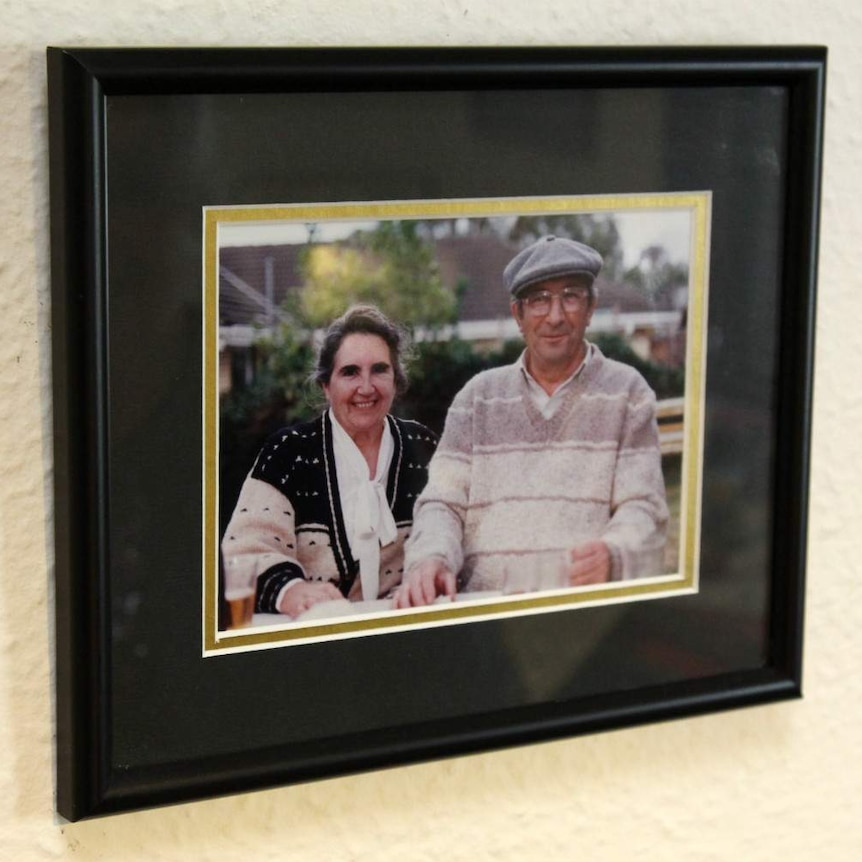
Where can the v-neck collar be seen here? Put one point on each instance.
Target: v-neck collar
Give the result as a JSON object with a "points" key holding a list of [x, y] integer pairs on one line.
{"points": [[551, 427]]}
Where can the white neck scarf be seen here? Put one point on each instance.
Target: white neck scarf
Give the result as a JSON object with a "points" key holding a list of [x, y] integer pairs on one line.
{"points": [[368, 520]]}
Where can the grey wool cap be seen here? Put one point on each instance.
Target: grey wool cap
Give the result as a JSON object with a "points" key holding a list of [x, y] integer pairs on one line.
{"points": [[550, 257]]}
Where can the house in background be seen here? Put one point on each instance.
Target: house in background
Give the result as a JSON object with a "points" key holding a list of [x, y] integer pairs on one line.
{"points": [[255, 281]]}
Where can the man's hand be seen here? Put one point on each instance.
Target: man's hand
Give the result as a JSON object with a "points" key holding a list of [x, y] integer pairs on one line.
{"points": [[424, 582], [589, 563], [306, 594]]}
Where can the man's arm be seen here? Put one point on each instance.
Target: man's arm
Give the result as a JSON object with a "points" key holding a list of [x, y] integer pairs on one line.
{"points": [[637, 532], [424, 582], [433, 553]]}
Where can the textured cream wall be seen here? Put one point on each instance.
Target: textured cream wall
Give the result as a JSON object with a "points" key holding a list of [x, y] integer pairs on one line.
{"points": [[777, 782]]}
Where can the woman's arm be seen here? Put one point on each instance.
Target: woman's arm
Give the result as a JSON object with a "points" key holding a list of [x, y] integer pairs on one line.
{"points": [[259, 545]]}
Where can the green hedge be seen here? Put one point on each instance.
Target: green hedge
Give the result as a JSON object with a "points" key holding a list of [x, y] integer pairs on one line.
{"points": [[281, 395]]}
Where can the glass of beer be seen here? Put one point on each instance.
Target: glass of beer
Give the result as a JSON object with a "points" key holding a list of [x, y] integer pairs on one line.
{"points": [[545, 570], [240, 606]]}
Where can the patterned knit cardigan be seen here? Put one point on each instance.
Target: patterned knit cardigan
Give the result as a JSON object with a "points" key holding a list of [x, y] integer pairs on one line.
{"points": [[288, 521], [507, 485]]}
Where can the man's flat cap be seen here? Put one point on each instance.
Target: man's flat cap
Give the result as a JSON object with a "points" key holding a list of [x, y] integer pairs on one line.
{"points": [[550, 257]]}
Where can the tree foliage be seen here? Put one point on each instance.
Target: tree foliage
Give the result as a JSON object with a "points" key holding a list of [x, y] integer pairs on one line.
{"points": [[655, 274], [440, 369], [392, 267], [279, 395], [665, 381]]}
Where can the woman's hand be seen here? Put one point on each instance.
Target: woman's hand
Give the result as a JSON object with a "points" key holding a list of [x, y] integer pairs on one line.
{"points": [[305, 594]]}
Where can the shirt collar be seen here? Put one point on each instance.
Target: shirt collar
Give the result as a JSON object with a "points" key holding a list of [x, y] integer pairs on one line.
{"points": [[532, 382]]}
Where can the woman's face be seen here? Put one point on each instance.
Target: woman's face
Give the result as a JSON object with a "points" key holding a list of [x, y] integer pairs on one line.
{"points": [[362, 385]]}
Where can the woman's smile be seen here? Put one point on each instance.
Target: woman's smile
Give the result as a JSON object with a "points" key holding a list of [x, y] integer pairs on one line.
{"points": [[361, 388]]}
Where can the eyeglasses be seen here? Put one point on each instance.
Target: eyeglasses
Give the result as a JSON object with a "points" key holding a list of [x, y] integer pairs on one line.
{"points": [[572, 299]]}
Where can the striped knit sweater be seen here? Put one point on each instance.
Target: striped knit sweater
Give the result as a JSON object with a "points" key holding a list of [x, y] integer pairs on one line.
{"points": [[288, 522], [507, 485]]}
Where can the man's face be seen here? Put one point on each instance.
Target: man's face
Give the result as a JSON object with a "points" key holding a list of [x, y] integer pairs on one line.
{"points": [[554, 326]]}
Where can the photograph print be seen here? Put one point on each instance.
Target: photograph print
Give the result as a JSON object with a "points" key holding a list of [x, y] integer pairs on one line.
{"points": [[427, 413]]}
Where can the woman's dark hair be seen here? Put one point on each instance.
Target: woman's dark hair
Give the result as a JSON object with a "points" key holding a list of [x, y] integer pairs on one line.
{"points": [[367, 320]]}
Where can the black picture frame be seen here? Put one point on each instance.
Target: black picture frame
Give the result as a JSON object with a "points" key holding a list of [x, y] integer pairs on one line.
{"points": [[142, 139]]}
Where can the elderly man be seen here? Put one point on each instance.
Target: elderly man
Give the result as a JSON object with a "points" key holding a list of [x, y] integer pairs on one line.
{"points": [[554, 456]]}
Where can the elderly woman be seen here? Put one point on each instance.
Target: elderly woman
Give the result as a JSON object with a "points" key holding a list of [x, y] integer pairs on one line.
{"points": [[326, 508]]}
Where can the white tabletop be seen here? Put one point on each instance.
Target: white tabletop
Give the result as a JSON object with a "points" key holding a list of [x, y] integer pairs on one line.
{"points": [[344, 608]]}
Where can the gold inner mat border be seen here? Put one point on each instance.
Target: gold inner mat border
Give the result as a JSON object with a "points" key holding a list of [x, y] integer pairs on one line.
{"points": [[684, 582]]}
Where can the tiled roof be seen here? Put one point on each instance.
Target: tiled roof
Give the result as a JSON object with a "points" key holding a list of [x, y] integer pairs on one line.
{"points": [[478, 263], [247, 265]]}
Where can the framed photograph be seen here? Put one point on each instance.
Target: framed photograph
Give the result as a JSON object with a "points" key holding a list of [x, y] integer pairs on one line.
{"points": [[237, 599], [313, 262]]}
